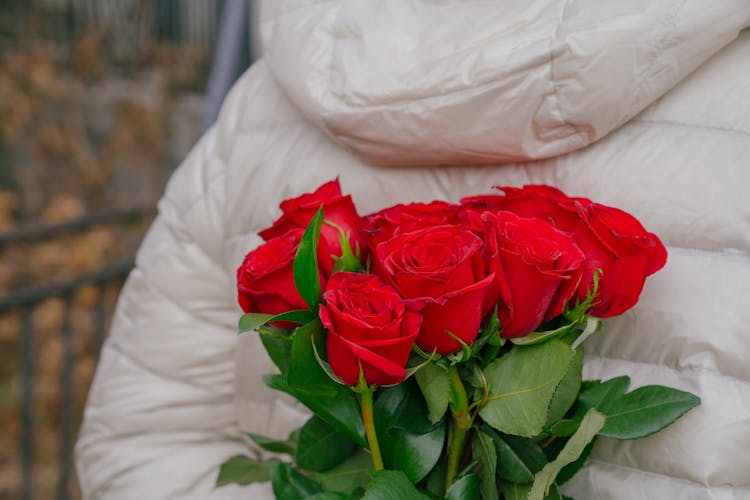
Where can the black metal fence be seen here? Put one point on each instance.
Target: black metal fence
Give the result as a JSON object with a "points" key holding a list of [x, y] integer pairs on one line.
{"points": [[22, 304]]}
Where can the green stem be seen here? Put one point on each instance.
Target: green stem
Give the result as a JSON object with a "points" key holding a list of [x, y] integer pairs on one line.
{"points": [[460, 425], [369, 422]]}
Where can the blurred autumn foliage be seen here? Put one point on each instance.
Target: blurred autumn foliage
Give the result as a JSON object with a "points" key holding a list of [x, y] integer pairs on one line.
{"points": [[81, 130]]}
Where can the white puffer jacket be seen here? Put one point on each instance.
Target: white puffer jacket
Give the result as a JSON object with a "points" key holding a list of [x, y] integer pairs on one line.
{"points": [[600, 88]]}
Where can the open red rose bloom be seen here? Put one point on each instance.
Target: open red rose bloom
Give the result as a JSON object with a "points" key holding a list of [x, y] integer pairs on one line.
{"points": [[438, 270]]}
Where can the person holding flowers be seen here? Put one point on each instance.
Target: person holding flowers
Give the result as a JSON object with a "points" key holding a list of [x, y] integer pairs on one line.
{"points": [[382, 127]]}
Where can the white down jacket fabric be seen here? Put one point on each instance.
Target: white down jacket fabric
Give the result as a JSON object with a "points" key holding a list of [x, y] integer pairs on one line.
{"points": [[639, 104]]}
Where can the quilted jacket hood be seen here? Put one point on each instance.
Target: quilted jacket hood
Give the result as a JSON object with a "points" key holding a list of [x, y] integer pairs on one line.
{"points": [[475, 82]]}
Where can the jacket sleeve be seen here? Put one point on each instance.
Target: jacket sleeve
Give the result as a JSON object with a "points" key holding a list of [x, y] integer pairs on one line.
{"points": [[160, 416]]}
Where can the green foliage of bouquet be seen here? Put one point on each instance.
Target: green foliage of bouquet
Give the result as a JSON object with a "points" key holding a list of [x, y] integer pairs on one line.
{"points": [[438, 346]]}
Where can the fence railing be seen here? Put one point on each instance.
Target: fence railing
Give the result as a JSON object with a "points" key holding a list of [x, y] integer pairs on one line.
{"points": [[133, 23], [23, 303]]}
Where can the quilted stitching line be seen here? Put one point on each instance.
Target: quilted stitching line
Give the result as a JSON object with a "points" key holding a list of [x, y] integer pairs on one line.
{"points": [[687, 481]]}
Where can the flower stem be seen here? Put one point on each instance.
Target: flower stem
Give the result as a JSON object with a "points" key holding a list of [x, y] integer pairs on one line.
{"points": [[460, 425], [369, 422]]}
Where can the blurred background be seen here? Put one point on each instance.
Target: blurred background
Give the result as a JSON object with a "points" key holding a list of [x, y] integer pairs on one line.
{"points": [[99, 101]]}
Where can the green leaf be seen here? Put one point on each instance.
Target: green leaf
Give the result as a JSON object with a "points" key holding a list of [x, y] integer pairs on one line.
{"points": [[435, 385], [493, 330], [332, 495], [567, 390], [278, 345], [242, 470], [413, 453], [567, 472], [411, 414], [466, 488], [591, 424], [275, 446], [522, 384], [636, 414], [392, 485], [253, 321], [597, 394], [483, 449], [306, 277], [645, 411], [564, 427], [340, 409], [304, 371], [289, 484], [512, 491], [434, 483], [518, 458], [490, 334], [350, 476], [321, 446], [308, 382]]}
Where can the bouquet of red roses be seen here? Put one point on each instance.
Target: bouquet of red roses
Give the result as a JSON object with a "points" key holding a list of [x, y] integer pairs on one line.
{"points": [[438, 345]]}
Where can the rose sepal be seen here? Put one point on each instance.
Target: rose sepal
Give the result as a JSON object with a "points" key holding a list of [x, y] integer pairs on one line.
{"points": [[253, 321], [576, 317], [412, 370], [349, 260], [461, 356], [543, 336], [593, 325], [324, 365]]}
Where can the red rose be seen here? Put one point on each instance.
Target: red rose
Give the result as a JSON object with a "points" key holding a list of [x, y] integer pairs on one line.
{"points": [[369, 326], [397, 219], [265, 280], [440, 271], [392, 221], [472, 208], [337, 208], [537, 270], [617, 244], [612, 240], [544, 202], [538, 201]]}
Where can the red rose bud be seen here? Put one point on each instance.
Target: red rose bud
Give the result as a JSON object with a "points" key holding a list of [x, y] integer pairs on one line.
{"points": [[338, 209], [369, 326], [440, 271], [265, 280], [618, 245], [537, 270]]}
